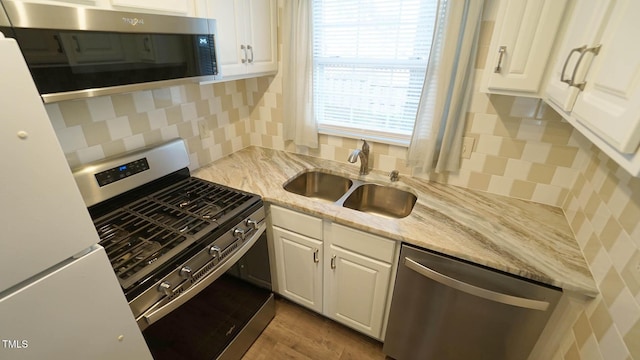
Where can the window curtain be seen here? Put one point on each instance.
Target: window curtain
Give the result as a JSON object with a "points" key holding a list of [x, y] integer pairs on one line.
{"points": [[297, 74], [436, 142]]}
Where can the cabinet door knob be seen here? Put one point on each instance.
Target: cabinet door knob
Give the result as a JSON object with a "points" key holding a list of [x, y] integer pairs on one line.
{"points": [[501, 51], [316, 259], [333, 262]]}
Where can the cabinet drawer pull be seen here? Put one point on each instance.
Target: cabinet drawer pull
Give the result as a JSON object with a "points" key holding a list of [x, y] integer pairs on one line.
{"points": [[501, 51], [566, 62], [250, 48], [316, 259], [244, 49], [474, 290], [333, 262], [595, 50]]}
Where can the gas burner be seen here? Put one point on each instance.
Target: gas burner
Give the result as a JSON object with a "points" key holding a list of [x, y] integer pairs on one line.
{"points": [[149, 249], [146, 253], [210, 212], [112, 233], [189, 197]]}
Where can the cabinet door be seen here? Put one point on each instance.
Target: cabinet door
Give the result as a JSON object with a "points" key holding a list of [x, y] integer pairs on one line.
{"points": [[586, 24], [356, 290], [261, 36], [610, 103], [230, 27], [299, 268], [521, 44]]}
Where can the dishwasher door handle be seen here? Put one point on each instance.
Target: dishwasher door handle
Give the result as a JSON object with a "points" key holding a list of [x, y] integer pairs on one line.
{"points": [[474, 290]]}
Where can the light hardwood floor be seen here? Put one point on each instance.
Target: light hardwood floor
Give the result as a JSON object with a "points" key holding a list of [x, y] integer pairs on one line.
{"points": [[297, 333]]}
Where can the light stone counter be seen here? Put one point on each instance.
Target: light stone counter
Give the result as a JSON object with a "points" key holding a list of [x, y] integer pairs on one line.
{"points": [[515, 236]]}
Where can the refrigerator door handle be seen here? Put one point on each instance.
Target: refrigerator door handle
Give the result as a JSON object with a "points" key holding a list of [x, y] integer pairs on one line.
{"points": [[474, 290]]}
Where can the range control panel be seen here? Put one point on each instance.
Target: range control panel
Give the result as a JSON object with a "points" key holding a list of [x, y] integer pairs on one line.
{"points": [[122, 171]]}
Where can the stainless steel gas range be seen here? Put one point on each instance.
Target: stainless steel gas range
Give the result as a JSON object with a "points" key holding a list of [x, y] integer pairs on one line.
{"points": [[190, 255]]}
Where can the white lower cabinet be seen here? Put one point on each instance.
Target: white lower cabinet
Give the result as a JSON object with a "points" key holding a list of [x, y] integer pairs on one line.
{"points": [[342, 273], [298, 267], [356, 290]]}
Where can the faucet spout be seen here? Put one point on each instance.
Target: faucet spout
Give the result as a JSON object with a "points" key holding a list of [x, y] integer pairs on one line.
{"points": [[363, 155], [353, 157]]}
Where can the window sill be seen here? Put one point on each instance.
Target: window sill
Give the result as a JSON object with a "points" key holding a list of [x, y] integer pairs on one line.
{"points": [[376, 137]]}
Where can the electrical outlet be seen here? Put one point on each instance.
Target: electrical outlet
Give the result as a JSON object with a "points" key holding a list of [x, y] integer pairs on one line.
{"points": [[203, 128], [467, 147]]}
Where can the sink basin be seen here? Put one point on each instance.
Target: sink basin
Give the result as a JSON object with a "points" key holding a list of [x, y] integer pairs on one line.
{"points": [[381, 200], [319, 185]]}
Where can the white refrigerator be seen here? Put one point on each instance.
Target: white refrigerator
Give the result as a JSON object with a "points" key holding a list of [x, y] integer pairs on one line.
{"points": [[59, 297]]}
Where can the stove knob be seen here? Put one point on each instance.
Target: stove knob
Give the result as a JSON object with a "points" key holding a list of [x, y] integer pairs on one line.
{"points": [[252, 224], [214, 251], [238, 233], [186, 272], [165, 288]]}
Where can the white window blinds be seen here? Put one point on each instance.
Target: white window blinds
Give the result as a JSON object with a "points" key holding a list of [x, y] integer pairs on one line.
{"points": [[369, 63]]}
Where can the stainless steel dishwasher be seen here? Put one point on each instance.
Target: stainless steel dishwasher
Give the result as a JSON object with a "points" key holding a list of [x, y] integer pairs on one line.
{"points": [[445, 309]]}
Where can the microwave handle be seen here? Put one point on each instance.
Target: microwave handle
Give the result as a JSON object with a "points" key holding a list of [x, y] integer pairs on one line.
{"points": [[194, 290]]}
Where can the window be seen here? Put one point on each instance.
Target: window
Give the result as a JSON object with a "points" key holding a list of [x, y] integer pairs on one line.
{"points": [[369, 63]]}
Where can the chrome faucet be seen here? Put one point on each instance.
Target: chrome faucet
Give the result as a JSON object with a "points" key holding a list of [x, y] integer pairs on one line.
{"points": [[364, 157]]}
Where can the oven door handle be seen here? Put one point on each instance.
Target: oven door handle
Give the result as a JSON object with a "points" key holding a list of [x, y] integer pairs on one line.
{"points": [[192, 291]]}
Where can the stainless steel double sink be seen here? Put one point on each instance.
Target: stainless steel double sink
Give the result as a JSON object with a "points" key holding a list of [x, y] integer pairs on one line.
{"points": [[358, 195]]}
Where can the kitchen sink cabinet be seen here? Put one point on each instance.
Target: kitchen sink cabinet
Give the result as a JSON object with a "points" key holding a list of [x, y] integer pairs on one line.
{"points": [[358, 270], [298, 250], [594, 85], [342, 273], [247, 36], [298, 268], [521, 43]]}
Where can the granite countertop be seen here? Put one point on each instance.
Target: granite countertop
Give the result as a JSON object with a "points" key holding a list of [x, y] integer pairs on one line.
{"points": [[515, 236]]}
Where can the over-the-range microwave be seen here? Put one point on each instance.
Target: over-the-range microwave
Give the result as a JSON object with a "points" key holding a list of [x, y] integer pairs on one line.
{"points": [[77, 52]]}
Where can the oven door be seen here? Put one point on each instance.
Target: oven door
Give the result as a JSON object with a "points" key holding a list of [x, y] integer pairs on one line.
{"points": [[224, 318]]}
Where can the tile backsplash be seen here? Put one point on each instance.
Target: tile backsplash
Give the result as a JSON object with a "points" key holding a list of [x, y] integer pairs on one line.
{"points": [[95, 128], [603, 209]]}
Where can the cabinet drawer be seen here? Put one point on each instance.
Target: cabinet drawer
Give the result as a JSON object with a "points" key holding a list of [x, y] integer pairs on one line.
{"points": [[297, 222], [363, 243]]}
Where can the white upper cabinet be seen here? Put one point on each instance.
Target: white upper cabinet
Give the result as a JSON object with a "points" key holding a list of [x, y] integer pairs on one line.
{"points": [[247, 36], [583, 33], [609, 105], [521, 43], [596, 81]]}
